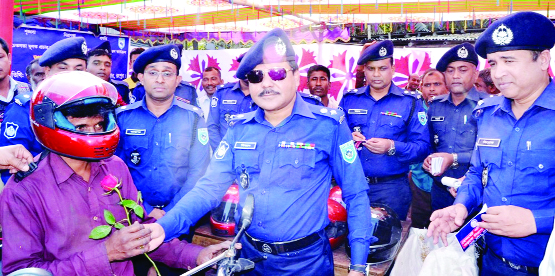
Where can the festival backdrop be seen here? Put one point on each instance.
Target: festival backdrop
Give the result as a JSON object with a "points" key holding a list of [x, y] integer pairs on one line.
{"points": [[30, 43], [340, 59]]}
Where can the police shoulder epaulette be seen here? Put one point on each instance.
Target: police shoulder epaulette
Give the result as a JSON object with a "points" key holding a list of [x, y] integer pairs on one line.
{"points": [[226, 85], [355, 91], [128, 107], [187, 84], [22, 87], [310, 96], [486, 103], [22, 99], [186, 104], [439, 97], [234, 119], [120, 83], [412, 93], [336, 114]]}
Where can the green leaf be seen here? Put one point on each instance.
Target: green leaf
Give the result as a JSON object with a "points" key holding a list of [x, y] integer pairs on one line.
{"points": [[129, 203], [100, 232], [109, 217], [118, 225], [138, 211]]}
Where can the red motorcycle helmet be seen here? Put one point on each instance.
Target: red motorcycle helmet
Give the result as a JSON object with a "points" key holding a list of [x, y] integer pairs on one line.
{"points": [[337, 229], [74, 90], [222, 219], [337, 195]]}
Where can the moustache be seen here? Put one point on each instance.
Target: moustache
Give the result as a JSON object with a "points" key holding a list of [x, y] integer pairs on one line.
{"points": [[267, 92]]}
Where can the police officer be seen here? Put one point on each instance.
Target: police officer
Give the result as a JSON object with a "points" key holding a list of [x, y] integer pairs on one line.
{"points": [[512, 169], [232, 99], [99, 63], [10, 87], [69, 54], [389, 128], [186, 91], [164, 139], [284, 153], [452, 126]]}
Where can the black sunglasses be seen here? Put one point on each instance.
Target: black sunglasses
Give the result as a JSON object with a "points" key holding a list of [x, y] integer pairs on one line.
{"points": [[276, 74]]}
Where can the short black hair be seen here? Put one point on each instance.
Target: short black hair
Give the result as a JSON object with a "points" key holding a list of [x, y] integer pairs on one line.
{"points": [[485, 75], [431, 71], [136, 51], [28, 68], [98, 53], [4, 45], [210, 68], [318, 67]]}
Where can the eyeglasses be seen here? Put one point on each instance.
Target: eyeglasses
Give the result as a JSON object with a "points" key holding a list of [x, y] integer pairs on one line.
{"points": [[155, 74], [276, 74]]}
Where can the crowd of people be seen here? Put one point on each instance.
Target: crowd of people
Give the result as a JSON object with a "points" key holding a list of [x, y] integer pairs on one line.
{"points": [[182, 149]]}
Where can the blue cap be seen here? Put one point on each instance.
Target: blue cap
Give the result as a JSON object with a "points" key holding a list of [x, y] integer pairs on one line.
{"points": [[461, 52], [73, 47], [518, 31], [103, 46], [378, 51], [164, 53], [274, 47]]}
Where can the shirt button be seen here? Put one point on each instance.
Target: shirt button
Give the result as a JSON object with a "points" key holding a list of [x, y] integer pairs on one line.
{"points": [[296, 162], [156, 143], [263, 192], [450, 147], [95, 218], [456, 110], [510, 163], [260, 223], [155, 168], [540, 166], [504, 199], [453, 129], [517, 129], [267, 161], [373, 122]]}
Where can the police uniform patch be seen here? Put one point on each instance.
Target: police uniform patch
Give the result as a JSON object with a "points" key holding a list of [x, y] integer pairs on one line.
{"points": [[135, 157], [84, 48], [462, 52], [214, 102], [280, 47], [202, 134], [348, 152], [383, 52], [221, 151], [11, 130], [173, 53], [422, 118]]}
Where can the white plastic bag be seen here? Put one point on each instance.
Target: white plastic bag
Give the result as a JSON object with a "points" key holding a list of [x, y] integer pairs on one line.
{"points": [[420, 256]]}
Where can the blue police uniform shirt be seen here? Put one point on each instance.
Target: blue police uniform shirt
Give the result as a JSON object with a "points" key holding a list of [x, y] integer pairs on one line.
{"points": [[123, 89], [289, 169], [184, 90], [228, 100], [15, 89], [521, 171], [166, 155], [388, 118], [16, 128], [453, 128]]}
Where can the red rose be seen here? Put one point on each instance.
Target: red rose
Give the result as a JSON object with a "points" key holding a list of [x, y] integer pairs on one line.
{"points": [[109, 183]]}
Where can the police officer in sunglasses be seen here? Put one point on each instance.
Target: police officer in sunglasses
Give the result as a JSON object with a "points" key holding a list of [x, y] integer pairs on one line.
{"points": [[284, 153], [390, 128]]}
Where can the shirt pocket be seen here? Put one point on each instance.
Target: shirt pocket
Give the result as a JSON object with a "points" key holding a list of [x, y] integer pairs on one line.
{"points": [[246, 161], [177, 150], [468, 131], [537, 167], [391, 125], [357, 120], [136, 148], [491, 158], [295, 167]]}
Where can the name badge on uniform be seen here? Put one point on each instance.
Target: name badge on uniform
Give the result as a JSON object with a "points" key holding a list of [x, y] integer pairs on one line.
{"points": [[229, 101], [357, 111], [486, 142], [245, 145], [437, 119], [130, 131]]}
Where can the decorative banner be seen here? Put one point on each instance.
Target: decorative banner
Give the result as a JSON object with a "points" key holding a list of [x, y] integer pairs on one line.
{"points": [[30, 43]]}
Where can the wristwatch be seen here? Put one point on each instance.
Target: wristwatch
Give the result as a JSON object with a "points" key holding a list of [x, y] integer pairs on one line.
{"points": [[391, 150], [358, 268], [455, 161]]}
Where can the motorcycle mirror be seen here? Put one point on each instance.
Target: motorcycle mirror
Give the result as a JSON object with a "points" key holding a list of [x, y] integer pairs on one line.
{"points": [[248, 210]]}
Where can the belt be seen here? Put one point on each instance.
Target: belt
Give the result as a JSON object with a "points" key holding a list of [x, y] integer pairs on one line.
{"points": [[523, 268], [375, 180], [276, 248]]}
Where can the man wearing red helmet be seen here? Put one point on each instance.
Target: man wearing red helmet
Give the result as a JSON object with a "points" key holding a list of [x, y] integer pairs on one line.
{"points": [[47, 215]]}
